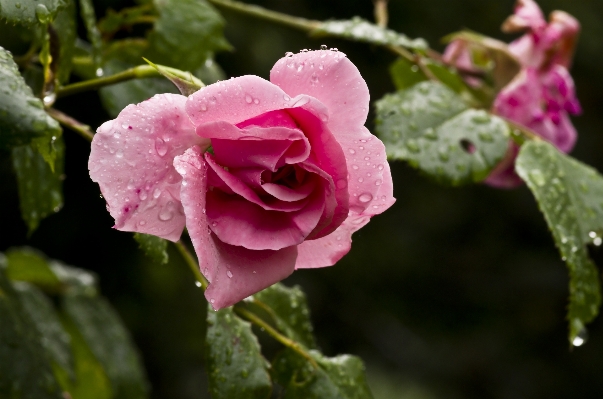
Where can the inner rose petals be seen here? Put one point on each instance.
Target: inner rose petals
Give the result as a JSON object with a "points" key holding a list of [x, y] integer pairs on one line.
{"points": [[131, 159], [233, 272]]}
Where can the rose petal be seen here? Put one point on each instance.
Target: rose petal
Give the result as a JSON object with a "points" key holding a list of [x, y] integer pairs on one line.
{"points": [[131, 159], [332, 79], [233, 272], [326, 251], [237, 221], [527, 16], [235, 100]]}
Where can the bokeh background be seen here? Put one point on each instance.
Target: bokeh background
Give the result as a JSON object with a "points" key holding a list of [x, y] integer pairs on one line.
{"points": [[452, 293]]}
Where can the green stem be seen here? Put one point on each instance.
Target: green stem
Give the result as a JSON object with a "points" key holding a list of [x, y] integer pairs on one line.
{"points": [[139, 72], [69, 122], [303, 24], [289, 343], [192, 263], [381, 16]]}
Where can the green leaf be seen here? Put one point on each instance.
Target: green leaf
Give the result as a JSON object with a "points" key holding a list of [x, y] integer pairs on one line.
{"points": [[154, 247], [22, 115], [55, 340], [25, 370], [110, 343], [289, 310], [186, 34], [91, 380], [361, 30], [65, 27], [236, 367], [40, 188], [26, 12], [27, 264], [432, 128], [94, 36], [126, 17], [186, 86], [570, 195], [406, 74], [341, 377]]}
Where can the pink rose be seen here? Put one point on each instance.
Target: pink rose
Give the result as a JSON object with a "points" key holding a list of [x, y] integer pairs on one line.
{"points": [[292, 172], [542, 95]]}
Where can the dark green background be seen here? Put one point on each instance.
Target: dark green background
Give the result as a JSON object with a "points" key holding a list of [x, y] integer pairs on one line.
{"points": [[452, 293]]}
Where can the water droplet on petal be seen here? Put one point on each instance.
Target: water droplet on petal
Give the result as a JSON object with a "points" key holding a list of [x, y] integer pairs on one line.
{"points": [[286, 97], [323, 46], [161, 147], [167, 212], [248, 99], [366, 197], [352, 151], [581, 338], [229, 274], [378, 182], [256, 101]]}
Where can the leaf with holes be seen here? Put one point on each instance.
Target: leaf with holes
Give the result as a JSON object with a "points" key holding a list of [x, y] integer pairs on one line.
{"points": [[432, 128], [570, 195], [363, 31], [154, 247], [288, 309], [237, 369], [40, 188], [26, 12], [340, 377], [22, 116]]}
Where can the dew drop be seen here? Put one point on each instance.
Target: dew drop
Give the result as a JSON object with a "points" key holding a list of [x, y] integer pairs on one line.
{"points": [[142, 195], [203, 107], [99, 72], [156, 193], [413, 146], [256, 101], [380, 167], [198, 284], [286, 97], [378, 182], [248, 99], [167, 212], [288, 54], [352, 151], [360, 180], [581, 338], [366, 197], [323, 46], [538, 177], [161, 147], [355, 167], [229, 274]]}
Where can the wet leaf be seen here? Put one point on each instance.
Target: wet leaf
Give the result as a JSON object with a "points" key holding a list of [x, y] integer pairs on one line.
{"points": [[105, 335], [25, 370], [340, 377], [40, 188], [26, 12], [288, 309], [154, 247], [22, 116], [65, 27], [432, 128], [94, 36], [570, 195], [237, 369], [186, 85], [27, 264], [363, 31]]}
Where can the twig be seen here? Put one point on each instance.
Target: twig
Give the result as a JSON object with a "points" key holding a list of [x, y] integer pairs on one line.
{"points": [[289, 343], [71, 123], [381, 16]]}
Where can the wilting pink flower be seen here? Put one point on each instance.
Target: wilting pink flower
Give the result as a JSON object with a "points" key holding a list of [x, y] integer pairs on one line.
{"points": [[542, 95], [292, 172]]}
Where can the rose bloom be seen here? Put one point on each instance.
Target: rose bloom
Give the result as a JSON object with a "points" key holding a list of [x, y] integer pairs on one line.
{"points": [[542, 96], [267, 176]]}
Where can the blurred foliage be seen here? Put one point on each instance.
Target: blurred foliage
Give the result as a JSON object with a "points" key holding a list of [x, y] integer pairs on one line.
{"points": [[455, 293]]}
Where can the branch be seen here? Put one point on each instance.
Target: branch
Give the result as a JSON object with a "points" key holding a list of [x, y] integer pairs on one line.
{"points": [[71, 123]]}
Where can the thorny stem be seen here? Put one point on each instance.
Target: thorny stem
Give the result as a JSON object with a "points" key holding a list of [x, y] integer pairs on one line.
{"points": [[289, 343], [192, 263], [71, 123], [381, 12]]}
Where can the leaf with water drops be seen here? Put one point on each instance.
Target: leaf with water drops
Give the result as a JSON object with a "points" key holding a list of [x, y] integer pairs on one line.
{"points": [[28, 12], [25, 370], [22, 116], [94, 36], [109, 341], [154, 247], [237, 369], [432, 128], [363, 31], [55, 340], [340, 377], [570, 195], [40, 188], [186, 34], [288, 309]]}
